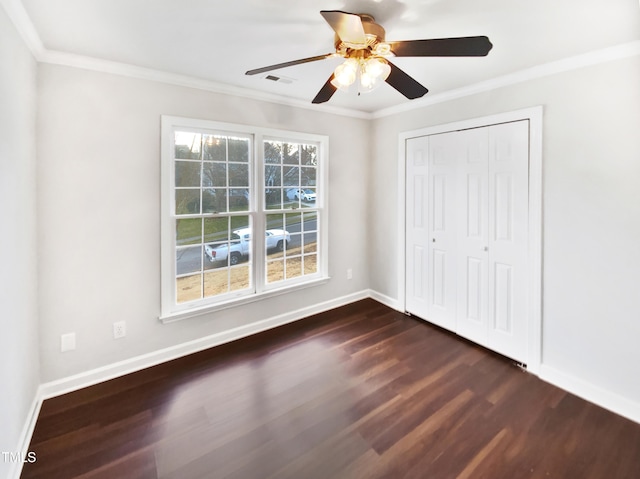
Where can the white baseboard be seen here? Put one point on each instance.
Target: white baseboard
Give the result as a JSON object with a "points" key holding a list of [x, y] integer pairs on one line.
{"points": [[592, 393], [111, 371], [577, 386], [26, 435], [386, 300]]}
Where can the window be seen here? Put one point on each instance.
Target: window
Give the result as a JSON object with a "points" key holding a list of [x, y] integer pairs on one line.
{"points": [[223, 183]]}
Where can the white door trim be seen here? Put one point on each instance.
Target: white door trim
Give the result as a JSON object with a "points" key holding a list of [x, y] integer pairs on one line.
{"points": [[534, 115]]}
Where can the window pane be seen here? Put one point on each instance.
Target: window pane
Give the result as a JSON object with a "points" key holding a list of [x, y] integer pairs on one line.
{"points": [[273, 152], [239, 149], [308, 176], [273, 198], [310, 264], [310, 220], [290, 154], [309, 155], [276, 240], [188, 260], [188, 231], [188, 173], [216, 229], [238, 174], [187, 145], [229, 245], [239, 222], [307, 197], [272, 175], [295, 244], [189, 288], [214, 174], [291, 176], [215, 148], [293, 222], [275, 221], [187, 202], [214, 200], [239, 199], [216, 282], [275, 271], [240, 278], [310, 243], [274, 254], [294, 267]]}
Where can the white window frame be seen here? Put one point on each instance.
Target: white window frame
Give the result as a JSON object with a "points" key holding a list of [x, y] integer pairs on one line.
{"points": [[171, 310]]}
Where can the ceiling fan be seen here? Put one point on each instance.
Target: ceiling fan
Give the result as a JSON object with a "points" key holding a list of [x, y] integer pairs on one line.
{"points": [[361, 41]]}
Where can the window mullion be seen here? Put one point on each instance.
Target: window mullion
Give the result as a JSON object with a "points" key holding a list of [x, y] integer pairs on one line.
{"points": [[259, 221]]}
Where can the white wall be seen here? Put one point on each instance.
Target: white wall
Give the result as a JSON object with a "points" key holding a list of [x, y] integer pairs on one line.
{"points": [[591, 191], [19, 377], [99, 212]]}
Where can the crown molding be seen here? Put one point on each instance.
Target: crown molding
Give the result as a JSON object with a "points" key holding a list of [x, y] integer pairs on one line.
{"points": [[25, 27], [20, 19], [133, 71], [604, 55], [595, 57]]}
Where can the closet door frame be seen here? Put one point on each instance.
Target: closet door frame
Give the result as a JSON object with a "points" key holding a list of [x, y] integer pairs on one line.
{"points": [[534, 116]]}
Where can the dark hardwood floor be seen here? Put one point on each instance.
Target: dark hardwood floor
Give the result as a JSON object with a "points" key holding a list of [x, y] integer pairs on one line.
{"points": [[358, 392]]}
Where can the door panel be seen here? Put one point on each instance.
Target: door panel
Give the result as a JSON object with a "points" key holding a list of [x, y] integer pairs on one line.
{"points": [[503, 207], [503, 293], [416, 227], [508, 243], [473, 221], [443, 153], [475, 290]]}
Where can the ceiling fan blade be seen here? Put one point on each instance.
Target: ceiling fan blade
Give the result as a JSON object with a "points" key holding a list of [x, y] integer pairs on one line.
{"points": [[288, 64], [326, 92], [443, 47], [347, 26], [404, 83]]}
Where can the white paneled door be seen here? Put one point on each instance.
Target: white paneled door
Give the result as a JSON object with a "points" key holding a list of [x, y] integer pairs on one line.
{"points": [[467, 233], [417, 230]]}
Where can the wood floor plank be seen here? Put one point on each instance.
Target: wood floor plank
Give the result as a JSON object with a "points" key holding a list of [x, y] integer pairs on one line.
{"points": [[361, 391]]}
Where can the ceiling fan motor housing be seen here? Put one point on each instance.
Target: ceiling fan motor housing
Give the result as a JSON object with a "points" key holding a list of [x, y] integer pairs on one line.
{"points": [[361, 41], [375, 34]]}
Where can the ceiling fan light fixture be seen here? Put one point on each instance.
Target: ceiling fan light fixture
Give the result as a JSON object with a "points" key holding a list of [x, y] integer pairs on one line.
{"points": [[345, 74], [377, 68], [369, 72], [361, 41], [382, 49], [373, 72]]}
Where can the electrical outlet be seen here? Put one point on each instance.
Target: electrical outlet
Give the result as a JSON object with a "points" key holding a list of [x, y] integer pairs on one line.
{"points": [[349, 273], [67, 342], [119, 329]]}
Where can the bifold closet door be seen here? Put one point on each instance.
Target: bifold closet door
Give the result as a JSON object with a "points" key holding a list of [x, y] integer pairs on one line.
{"points": [[416, 227], [467, 234], [509, 238], [442, 235], [472, 216], [430, 232], [492, 215]]}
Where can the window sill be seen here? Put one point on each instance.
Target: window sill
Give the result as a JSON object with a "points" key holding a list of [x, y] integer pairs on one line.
{"points": [[201, 311]]}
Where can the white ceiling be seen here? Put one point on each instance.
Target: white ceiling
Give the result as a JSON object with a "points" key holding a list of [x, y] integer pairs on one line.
{"points": [[218, 40]]}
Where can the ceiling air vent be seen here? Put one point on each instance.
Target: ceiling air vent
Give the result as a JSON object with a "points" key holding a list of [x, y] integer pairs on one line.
{"points": [[278, 79]]}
